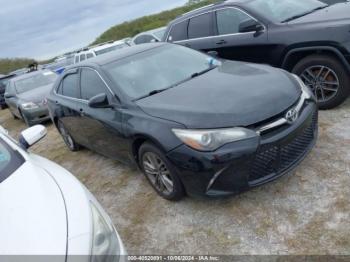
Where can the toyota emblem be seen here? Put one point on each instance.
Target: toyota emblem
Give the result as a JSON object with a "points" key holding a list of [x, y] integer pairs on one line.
{"points": [[291, 116]]}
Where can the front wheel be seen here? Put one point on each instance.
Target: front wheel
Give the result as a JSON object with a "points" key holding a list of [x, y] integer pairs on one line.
{"points": [[24, 118], [160, 173], [68, 140], [326, 77]]}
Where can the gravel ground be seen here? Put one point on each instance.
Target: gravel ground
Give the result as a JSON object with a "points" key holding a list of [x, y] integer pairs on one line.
{"points": [[307, 212]]}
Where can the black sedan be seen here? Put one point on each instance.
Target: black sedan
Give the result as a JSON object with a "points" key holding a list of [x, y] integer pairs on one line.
{"points": [[193, 124]]}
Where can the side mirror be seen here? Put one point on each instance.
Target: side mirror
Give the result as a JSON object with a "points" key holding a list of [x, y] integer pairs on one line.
{"points": [[32, 135], [99, 101], [250, 26], [7, 95]]}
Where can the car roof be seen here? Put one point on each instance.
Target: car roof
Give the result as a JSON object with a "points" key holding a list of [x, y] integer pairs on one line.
{"points": [[118, 55], [28, 75], [154, 30], [101, 47]]}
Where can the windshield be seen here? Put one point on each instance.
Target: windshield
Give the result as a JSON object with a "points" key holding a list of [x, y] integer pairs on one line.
{"points": [[156, 69], [35, 81], [283, 10], [10, 160]]}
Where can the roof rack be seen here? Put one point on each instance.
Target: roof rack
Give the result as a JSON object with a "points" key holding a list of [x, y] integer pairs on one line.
{"points": [[203, 7], [198, 9]]}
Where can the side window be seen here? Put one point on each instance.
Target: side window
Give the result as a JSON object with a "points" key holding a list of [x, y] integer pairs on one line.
{"points": [[178, 32], [60, 88], [200, 26], [77, 59], [149, 39], [70, 86], [91, 84], [139, 40], [89, 55], [82, 57], [228, 20], [144, 39]]}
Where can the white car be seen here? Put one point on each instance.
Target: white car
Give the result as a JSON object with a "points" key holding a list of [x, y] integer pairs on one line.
{"points": [[45, 210], [151, 36], [99, 50]]}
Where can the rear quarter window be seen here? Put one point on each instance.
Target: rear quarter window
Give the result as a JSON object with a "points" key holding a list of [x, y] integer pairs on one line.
{"points": [[178, 32], [70, 86]]}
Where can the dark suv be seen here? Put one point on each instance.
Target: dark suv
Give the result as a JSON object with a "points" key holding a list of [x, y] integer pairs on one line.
{"points": [[308, 38]]}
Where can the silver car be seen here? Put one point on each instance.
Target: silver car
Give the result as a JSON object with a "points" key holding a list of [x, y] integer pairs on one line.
{"points": [[151, 36], [26, 95]]}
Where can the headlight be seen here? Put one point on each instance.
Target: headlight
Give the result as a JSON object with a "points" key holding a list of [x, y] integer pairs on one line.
{"points": [[105, 243], [307, 93], [29, 105], [210, 140]]}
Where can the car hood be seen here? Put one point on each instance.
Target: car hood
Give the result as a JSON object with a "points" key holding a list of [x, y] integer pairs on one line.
{"points": [[36, 95], [32, 214], [333, 13], [234, 94]]}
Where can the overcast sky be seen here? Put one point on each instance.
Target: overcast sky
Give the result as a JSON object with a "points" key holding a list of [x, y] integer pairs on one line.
{"points": [[42, 29]]}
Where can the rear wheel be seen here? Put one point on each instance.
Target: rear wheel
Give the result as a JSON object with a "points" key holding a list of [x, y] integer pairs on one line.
{"points": [[326, 77], [67, 138], [160, 173]]}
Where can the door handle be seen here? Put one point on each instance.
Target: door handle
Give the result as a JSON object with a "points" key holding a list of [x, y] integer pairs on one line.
{"points": [[221, 42]]}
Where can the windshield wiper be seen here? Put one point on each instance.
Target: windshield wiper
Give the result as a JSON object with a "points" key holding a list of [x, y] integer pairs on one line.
{"points": [[157, 91], [304, 14], [203, 71], [153, 92]]}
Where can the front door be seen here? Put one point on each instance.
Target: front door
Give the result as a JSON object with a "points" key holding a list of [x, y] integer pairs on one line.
{"points": [[232, 44], [103, 127]]}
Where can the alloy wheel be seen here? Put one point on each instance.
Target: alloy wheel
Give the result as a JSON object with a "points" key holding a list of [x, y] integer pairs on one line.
{"points": [[322, 80], [158, 173]]}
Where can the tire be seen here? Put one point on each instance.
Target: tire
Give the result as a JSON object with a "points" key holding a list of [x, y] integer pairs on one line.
{"points": [[68, 140], [24, 118], [13, 115], [147, 150], [327, 77]]}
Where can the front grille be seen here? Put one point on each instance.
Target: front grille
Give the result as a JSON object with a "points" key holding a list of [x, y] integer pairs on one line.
{"points": [[275, 159]]}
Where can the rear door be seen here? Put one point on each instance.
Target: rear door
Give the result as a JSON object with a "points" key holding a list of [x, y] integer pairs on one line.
{"points": [[231, 44], [103, 127], [197, 32]]}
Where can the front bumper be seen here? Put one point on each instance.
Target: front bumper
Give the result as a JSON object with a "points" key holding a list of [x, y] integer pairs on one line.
{"points": [[239, 166], [37, 116]]}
